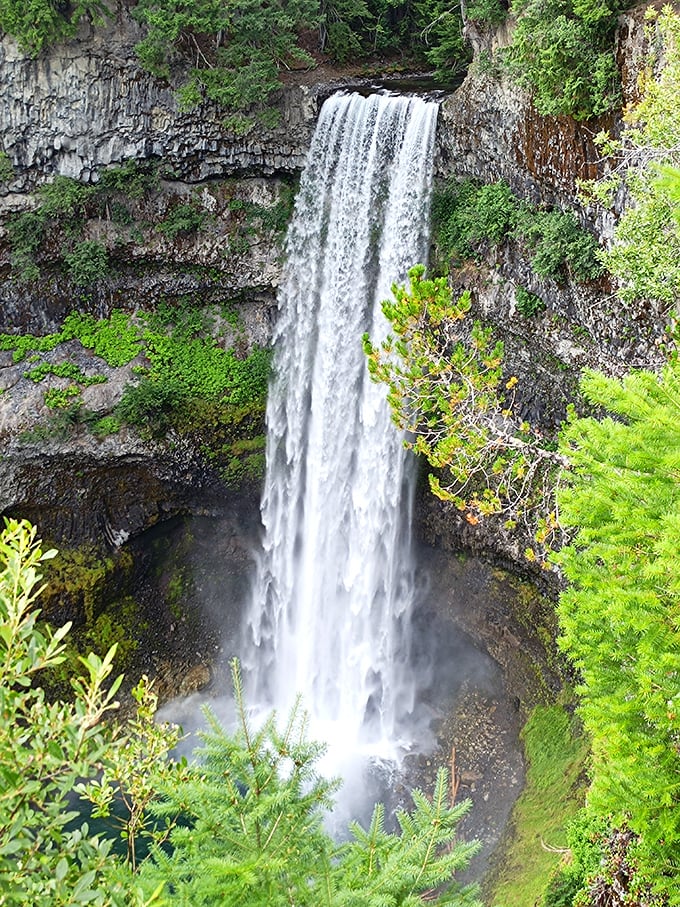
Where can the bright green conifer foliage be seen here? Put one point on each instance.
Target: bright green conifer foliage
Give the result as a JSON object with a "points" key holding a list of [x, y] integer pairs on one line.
{"points": [[250, 831], [620, 614]]}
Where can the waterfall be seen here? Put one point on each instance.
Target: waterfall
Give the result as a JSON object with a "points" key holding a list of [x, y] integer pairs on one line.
{"points": [[334, 589]]}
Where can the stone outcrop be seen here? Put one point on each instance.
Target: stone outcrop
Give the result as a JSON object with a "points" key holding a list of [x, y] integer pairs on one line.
{"points": [[87, 104]]}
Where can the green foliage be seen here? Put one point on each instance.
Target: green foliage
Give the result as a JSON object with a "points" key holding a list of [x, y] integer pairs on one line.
{"points": [[241, 46], [182, 219], [87, 263], [194, 363], [645, 255], [62, 201], [106, 425], [64, 197], [562, 50], [619, 612], [556, 753], [23, 344], [48, 856], [196, 385], [445, 387], [557, 244], [62, 397], [440, 37], [132, 178], [251, 830], [190, 383], [6, 168], [421, 32], [240, 825], [151, 405], [528, 304], [36, 24], [491, 12], [586, 836], [115, 339], [466, 215], [25, 233]]}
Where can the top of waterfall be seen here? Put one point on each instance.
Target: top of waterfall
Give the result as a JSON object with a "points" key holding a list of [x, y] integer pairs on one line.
{"points": [[424, 86]]}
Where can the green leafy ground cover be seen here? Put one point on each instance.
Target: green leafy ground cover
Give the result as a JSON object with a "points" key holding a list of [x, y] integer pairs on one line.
{"points": [[188, 380]]}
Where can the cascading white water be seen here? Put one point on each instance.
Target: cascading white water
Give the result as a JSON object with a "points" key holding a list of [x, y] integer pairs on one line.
{"points": [[334, 587]]}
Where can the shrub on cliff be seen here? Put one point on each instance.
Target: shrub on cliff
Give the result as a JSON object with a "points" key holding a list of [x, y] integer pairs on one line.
{"points": [[563, 52], [38, 23]]}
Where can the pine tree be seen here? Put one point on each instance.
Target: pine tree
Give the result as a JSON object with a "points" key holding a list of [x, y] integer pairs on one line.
{"points": [[620, 614], [250, 831]]}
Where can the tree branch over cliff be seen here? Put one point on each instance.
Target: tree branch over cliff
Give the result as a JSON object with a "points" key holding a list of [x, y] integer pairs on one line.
{"points": [[447, 390]]}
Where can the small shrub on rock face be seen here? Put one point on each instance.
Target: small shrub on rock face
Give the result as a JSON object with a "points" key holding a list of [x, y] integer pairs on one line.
{"points": [[528, 304], [87, 263], [182, 219], [558, 244], [491, 12], [150, 405], [6, 168], [466, 215]]}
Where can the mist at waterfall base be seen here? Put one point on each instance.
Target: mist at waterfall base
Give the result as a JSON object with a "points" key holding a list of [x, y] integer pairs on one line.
{"points": [[336, 610]]}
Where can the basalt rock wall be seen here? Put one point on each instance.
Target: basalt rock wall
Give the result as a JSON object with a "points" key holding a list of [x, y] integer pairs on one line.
{"points": [[86, 105]]}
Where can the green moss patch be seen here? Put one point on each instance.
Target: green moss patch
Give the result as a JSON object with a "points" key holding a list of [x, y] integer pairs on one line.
{"points": [[556, 751]]}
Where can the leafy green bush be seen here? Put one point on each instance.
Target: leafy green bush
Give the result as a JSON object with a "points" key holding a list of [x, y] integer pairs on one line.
{"points": [[106, 425], [6, 168], [528, 304], [87, 263], [185, 218], [64, 197], [133, 178], [586, 836], [563, 51], [151, 405], [25, 233], [558, 244], [466, 214]]}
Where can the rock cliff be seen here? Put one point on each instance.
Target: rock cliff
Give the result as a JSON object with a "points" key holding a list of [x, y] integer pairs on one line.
{"points": [[86, 107]]}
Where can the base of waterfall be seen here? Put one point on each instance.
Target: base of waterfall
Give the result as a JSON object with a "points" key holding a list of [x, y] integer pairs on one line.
{"points": [[467, 721]]}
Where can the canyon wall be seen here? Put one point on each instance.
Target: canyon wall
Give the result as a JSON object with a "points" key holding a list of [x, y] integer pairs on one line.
{"points": [[86, 106]]}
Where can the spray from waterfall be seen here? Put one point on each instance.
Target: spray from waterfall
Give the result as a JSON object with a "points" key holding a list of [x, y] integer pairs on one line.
{"points": [[334, 589]]}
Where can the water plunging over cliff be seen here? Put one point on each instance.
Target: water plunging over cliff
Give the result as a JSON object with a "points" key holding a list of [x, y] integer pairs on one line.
{"points": [[334, 588]]}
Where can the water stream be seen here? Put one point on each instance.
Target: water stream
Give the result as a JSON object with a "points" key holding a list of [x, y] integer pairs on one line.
{"points": [[334, 589]]}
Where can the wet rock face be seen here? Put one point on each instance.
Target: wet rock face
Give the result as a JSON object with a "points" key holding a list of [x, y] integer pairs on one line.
{"points": [[103, 492]]}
